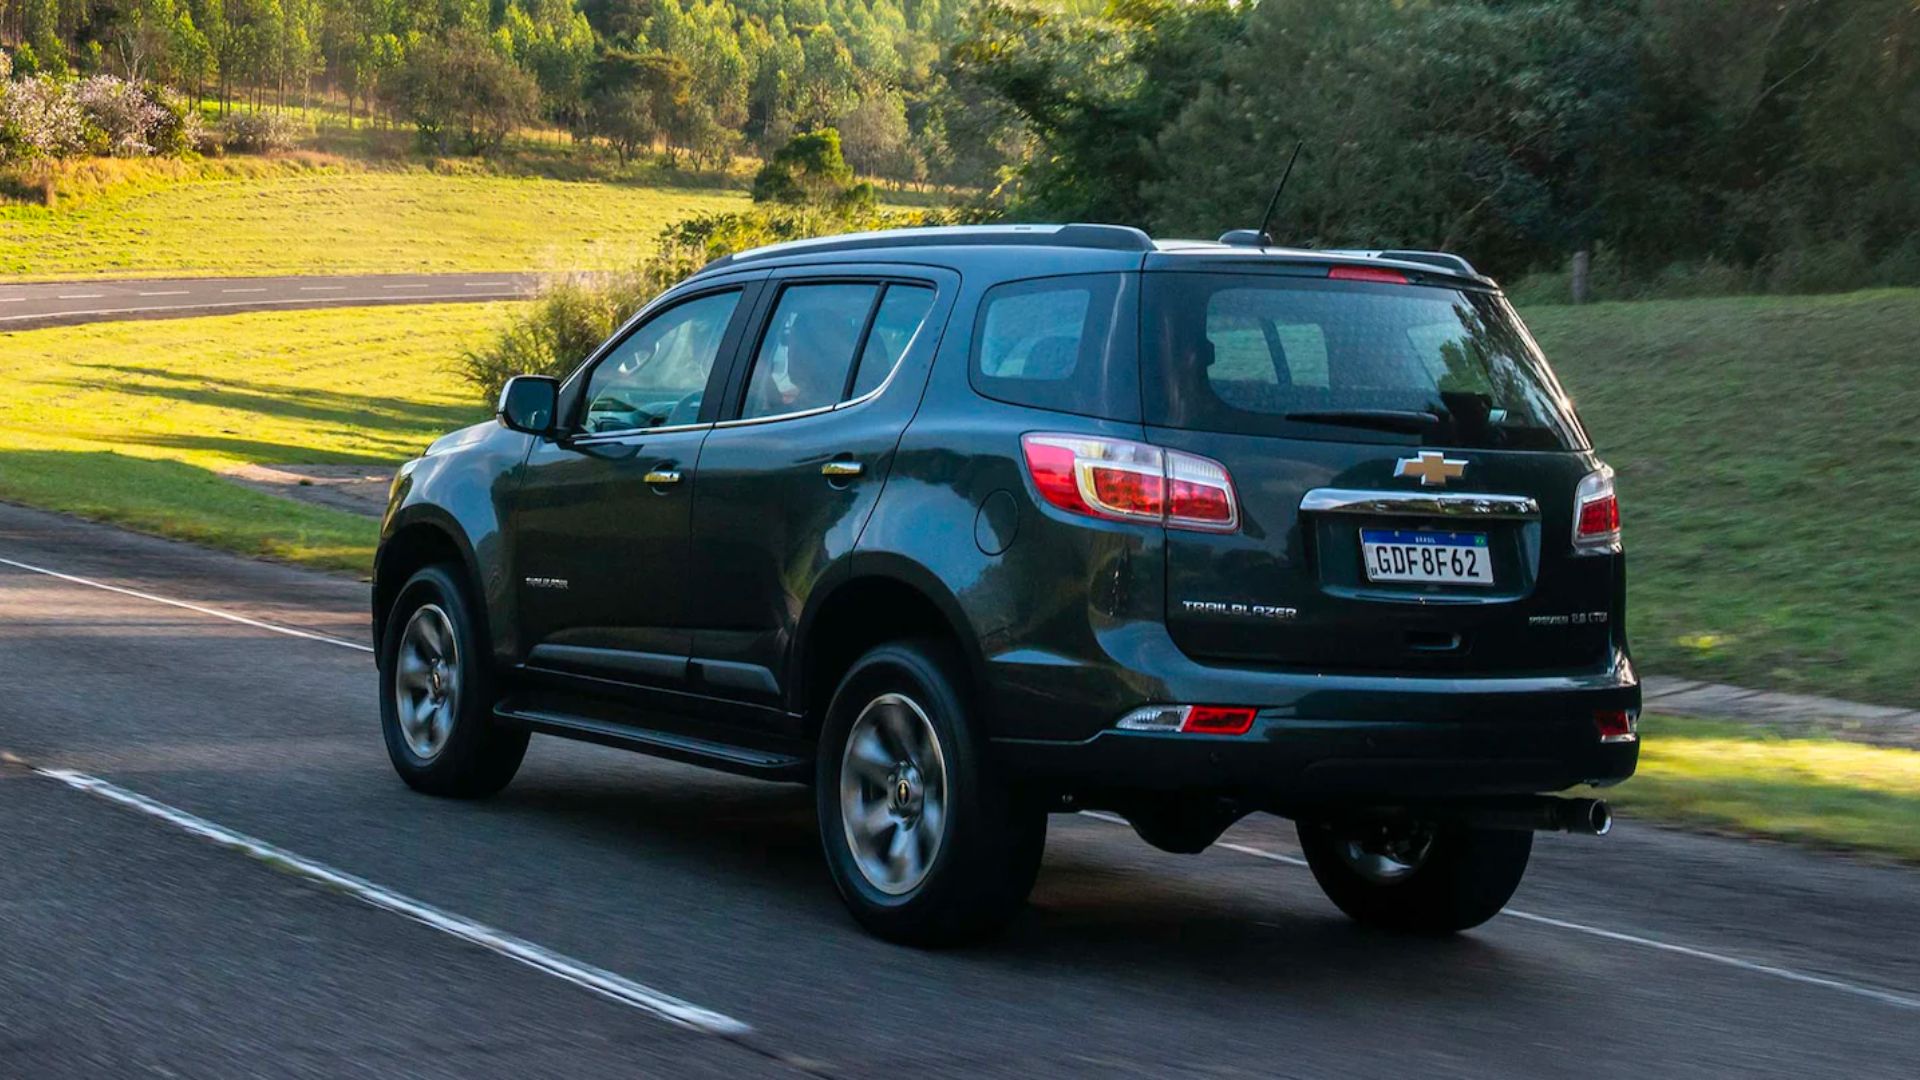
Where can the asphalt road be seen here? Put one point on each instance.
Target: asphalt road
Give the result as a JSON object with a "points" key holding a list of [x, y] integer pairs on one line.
{"points": [[130, 941], [24, 306]]}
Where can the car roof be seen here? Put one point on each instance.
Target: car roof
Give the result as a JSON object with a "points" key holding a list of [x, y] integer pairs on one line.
{"points": [[1044, 249]]}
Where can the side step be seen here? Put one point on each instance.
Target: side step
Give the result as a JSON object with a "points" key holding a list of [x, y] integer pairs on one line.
{"points": [[727, 757]]}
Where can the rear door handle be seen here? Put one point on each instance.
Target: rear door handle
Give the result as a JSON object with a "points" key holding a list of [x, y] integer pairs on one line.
{"points": [[663, 476], [842, 470]]}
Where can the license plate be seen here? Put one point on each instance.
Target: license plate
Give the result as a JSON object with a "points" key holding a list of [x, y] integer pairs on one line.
{"points": [[1426, 555]]}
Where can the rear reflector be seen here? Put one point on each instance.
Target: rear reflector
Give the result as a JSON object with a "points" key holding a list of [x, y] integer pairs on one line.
{"points": [[1123, 480], [1190, 719], [1367, 273], [1617, 725]]}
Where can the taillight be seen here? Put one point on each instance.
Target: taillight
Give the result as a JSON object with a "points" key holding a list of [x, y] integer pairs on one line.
{"points": [[1367, 273], [1123, 480], [1596, 514], [1190, 719], [1617, 725]]}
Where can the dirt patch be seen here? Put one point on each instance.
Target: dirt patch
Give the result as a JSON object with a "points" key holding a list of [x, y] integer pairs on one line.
{"points": [[357, 489]]}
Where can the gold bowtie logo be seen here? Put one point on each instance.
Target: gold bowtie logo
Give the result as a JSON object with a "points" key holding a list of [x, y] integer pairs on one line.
{"points": [[1433, 468]]}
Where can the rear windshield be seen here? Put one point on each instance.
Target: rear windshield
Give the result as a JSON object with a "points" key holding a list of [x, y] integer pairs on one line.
{"points": [[1311, 358]]}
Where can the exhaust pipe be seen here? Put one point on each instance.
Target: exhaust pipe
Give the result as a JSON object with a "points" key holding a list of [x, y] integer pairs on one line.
{"points": [[1545, 813]]}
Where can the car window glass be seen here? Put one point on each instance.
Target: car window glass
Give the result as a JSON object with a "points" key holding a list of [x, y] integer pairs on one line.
{"points": [[902, 310], [658, 375], [1052, 343], [807, 349], [1035, 335]]}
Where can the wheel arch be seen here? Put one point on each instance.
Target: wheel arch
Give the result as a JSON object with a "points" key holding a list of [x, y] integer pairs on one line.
{"points": [[420, 539]]}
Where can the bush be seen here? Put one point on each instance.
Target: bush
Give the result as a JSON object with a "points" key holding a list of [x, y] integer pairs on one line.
{"points": [[121, 115], [40, 118], [262, 132], [177, 127], [571, 317]]}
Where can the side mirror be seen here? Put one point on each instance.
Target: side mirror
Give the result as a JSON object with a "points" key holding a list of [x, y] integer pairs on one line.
{"points": [[528, 403]]}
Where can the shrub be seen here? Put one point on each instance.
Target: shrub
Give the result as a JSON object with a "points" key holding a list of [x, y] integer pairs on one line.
{"points": [[809, 169], [40, 118], [261, 132], [573, 316], [177, 127], [121, 115]]}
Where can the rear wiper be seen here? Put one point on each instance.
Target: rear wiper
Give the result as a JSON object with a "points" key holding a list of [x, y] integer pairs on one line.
{"points": [[1414, 421]]}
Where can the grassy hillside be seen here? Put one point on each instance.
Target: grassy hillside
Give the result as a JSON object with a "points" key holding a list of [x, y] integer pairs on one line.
{"points": [[132, 422], [1769, 459], [326, 220]]}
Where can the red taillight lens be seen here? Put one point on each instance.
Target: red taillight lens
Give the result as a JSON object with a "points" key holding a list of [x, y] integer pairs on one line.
{"points": [[1596, 516], [1616, 725], [1130, 481], [1218, 720], [1367, 273]]}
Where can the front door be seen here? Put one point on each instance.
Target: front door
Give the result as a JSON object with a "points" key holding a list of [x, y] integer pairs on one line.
{"points": [[601, 520]]}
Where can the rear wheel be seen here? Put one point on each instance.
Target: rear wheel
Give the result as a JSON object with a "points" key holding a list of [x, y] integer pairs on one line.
{"points": [[1418, 877], [437, 694], [927, 845]]}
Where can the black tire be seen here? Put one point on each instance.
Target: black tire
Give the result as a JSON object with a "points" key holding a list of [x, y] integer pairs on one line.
{"points": [[1465, 877], [477, 755], [992, 835]]}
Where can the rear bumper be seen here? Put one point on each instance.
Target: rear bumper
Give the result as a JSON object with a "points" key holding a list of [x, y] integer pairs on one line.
{"points": [[1322, 739]]}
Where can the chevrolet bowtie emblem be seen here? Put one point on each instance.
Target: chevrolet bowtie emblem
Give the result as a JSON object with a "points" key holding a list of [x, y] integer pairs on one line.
{"points": [[1434, 469]]}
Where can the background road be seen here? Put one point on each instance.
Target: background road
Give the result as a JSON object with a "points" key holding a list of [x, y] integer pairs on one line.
{"points": [[126, 943], [23, 306]]}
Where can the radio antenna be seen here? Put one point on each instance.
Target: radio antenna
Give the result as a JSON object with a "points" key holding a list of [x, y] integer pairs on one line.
{"points": [[1266, 238]]}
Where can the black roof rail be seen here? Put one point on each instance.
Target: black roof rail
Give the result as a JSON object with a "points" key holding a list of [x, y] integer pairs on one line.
{"points": [[1100, 237], [1445, 260]]}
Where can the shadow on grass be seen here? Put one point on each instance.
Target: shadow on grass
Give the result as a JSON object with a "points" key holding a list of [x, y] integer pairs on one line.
{"points": [[328, 406]]}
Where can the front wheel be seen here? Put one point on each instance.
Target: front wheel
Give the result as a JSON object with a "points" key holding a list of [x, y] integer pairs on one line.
{"points": [[1417, 877], [924, 841], [437, 694]]}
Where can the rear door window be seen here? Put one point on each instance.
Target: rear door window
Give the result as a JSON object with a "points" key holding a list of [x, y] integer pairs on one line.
{"points": [[806, 352], [1051, 343], [1354, 361]]}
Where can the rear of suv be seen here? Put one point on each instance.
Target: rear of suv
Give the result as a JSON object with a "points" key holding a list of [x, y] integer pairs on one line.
{"points": [[964, 527]]}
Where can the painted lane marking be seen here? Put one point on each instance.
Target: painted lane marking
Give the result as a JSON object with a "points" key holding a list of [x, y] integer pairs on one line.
{"points": [[261, 288], [199, 305], [607, 984], [406, 286], [1886, 997], [488, 284], [80, 296], [215, 612], [13, 299], [323, 288], [166, 292]]}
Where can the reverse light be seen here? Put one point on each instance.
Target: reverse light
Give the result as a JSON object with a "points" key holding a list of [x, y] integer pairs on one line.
{"points": [[1367, 273], [1190, 719], [1617, 725], [1596, 514], [1123, 480]]}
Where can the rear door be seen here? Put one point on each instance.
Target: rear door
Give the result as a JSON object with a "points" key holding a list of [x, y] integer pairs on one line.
{"points": [[827, 380], [1406, 469]]}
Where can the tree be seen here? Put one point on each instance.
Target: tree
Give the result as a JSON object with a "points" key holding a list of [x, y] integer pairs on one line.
{"points": [[810, 170], [634, 99], [461, 93]]}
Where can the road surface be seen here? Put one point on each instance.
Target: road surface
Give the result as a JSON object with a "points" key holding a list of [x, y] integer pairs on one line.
{"points": [[207, 868], [24, 306]]}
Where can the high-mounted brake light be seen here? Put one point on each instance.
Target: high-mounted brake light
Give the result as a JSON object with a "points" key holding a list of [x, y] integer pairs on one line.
{"points": [[1190, 719], [1596, 515], [1128, 481], [1367, 273]]}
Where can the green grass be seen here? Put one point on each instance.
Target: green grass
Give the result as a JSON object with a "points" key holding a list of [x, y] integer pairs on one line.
{"points": [[133, 422], [1736, 777], [339, 220], [1769, 472]]}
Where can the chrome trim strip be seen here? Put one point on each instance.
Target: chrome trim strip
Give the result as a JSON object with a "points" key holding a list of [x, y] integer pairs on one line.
{"points": [[606, 438], [1420, 504]]}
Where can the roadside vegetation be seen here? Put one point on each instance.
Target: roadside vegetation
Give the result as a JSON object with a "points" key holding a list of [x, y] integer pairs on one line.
{"points": [[133, 422], [1745, 779]]}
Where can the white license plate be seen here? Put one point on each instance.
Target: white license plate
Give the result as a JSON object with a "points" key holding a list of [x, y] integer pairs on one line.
{"points": [[1426, 555]]}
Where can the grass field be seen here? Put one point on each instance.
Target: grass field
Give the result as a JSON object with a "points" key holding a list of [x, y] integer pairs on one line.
{"points": [[1732, 776], [132, 422], [1769, 471], [324, 220]]}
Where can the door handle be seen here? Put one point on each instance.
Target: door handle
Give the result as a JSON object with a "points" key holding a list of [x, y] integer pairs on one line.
{"points": [[663, 476], [842, 470]]}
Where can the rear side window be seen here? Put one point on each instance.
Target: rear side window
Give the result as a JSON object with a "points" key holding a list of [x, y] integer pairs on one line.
{"points": [[1353, 361], [1052, 343], [902, 309]]}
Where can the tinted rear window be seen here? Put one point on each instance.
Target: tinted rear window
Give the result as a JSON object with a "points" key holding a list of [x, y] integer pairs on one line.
{"points": [[1052, 343], [1311, 358]]}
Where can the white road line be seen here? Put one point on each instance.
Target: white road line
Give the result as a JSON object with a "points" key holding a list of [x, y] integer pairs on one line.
{"points": [[538, 957], [200, 306], [488, 284], [14, 299], [80, 296], [215, 612], [261, 288], [406, 286], [1887, 997], [323, 288], [166, 292]]}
